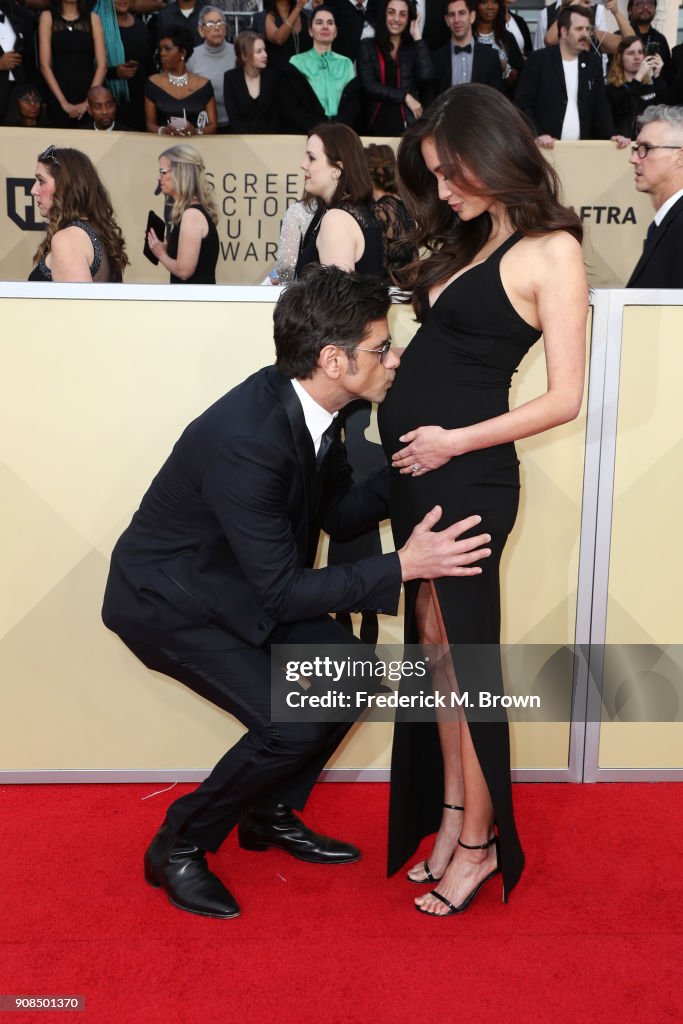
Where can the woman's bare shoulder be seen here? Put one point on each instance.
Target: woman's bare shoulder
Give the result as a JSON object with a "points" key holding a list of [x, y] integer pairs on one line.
{"points": [[552, 245], [71, 237]]}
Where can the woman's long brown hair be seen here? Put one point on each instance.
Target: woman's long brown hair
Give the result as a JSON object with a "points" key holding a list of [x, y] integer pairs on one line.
{"points": [[478, 135], [80, 195]]}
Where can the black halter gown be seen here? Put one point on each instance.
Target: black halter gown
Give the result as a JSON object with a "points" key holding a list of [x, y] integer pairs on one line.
{"points": [[455, 372]]}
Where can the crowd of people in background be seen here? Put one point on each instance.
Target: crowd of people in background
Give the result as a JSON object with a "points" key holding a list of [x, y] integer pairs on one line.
{"points": [[179, 69]]}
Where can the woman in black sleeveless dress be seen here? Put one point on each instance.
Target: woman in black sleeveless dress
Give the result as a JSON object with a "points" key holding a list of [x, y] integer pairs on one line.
{"points": [[83, 242], [505, 266], [72, 58], [343, 232], [191, 250]]}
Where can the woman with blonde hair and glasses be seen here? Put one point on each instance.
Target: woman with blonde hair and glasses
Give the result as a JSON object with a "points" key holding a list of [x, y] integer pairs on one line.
{"points": [[191, 251], [83, 242]]}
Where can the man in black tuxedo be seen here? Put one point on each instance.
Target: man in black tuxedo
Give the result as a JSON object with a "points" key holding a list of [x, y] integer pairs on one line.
{"points": [[17, 50], [658, 161], [215, 569], [355, 20], [463, 60], [562, 90]]}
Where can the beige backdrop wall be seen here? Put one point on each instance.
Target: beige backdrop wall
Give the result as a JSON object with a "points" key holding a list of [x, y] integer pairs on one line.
{"points": [[256, 178], [92, 396], [644, 654]]}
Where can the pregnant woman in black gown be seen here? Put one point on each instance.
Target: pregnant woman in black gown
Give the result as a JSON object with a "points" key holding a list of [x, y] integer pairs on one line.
{"points": [[504, 266]]}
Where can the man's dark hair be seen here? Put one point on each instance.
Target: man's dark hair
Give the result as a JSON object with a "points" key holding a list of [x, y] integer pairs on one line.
{"points": [[472, 5], [326, 306], [631, 4], [564, 18]]}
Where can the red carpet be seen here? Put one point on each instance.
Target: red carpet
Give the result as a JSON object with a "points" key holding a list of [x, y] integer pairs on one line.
{"points": [[593, 933]]}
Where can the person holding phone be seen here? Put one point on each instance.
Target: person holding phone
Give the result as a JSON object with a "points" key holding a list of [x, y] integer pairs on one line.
{"points": [[641, 14], [191, 252], [126, 79], [634, 83]]}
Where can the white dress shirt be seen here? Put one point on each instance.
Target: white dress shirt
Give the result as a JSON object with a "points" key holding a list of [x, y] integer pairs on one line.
{"points": [[317, 419]]}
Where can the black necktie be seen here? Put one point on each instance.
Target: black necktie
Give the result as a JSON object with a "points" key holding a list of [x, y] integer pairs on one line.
{"points": [[2, 17], [325, 443], [462, 49], [651, 232]]}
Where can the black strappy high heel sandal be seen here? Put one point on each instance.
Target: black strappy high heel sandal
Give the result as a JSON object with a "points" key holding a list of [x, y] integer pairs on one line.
{"points": [[468, 899], [429, 877]]}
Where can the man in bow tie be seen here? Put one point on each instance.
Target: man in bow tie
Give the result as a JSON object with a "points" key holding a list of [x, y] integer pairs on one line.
{"points": [[215, 569], [657, 160], [17, 64], [463, 59]]}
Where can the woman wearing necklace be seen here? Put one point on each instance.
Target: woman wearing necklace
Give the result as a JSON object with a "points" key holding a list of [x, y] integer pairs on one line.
{"points": [[251, 90], [391, 67], [286, 31], [72, 58], [320, 84], [490, 29], [178, 102]]}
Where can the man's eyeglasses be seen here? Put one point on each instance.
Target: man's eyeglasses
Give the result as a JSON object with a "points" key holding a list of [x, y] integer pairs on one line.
{"points": [[381, 352], [213, 24], [641, 149], [48, 155]]}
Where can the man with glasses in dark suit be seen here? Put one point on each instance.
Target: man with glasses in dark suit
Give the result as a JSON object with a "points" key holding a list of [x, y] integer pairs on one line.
{"points": [[657, 160], [215, 569]]}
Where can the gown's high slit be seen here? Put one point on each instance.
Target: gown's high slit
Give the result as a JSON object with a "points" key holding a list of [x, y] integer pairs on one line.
{"points": [[456, 372]]}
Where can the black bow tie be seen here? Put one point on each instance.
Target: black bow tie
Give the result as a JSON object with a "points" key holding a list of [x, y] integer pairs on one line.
{"points": [[463, 49], [2, 17]]}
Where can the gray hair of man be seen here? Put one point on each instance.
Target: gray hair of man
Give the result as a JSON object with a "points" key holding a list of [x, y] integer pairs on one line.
{"points": [[671, 116], [212, 10]]}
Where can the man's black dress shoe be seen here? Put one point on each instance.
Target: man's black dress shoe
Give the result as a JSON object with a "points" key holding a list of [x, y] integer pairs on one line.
{"points": [[281, 828], [178, 867]]}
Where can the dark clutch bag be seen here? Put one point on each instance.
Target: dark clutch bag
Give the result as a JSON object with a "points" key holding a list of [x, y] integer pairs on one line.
{"points": [[155, 222]]}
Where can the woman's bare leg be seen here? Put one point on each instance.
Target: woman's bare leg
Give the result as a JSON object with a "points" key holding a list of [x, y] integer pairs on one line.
{"points": [[466, 868], [431, 632]]}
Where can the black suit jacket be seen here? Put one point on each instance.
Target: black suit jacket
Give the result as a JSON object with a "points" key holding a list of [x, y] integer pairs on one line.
{"points": [[24, 27], [227, 532], [485, 67], [542, 95], [350, 24], [661, 265]]}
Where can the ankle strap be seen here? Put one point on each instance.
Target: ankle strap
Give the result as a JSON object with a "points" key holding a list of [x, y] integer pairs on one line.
{"points": [[479, 846], [454, 807]]}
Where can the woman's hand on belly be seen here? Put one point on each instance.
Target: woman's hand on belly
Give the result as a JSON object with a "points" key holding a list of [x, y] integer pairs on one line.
{"points": [[427, 448]]}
